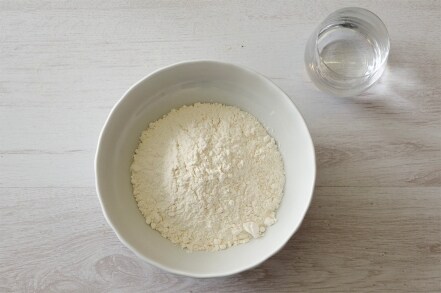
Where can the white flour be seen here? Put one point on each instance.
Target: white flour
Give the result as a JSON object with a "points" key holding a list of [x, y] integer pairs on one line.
{"points": [[208, 176]]}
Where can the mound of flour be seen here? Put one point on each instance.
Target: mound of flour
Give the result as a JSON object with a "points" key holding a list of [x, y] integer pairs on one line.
{"points": [[207, 177]]}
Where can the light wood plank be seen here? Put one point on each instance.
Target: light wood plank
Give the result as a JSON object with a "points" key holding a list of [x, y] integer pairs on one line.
{"points": [[374, 224], [353, 239]]}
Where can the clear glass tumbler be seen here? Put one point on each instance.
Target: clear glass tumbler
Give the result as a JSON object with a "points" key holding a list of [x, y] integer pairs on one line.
{"points": [[347, 53]]}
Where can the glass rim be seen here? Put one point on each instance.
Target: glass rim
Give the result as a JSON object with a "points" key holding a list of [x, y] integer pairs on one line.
{"points": [[318, 31]]}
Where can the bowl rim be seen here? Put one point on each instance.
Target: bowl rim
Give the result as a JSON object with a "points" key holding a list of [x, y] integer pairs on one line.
{"points": [[236, 67]]}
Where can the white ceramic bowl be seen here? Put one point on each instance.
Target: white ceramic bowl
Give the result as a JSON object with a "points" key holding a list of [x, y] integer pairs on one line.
{"points": [[183, 84]]}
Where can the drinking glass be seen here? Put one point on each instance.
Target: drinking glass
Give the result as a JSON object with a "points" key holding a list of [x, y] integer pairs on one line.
{"points": [[347, 53]]}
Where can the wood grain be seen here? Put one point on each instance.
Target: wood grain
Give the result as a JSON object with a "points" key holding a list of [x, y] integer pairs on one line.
{"points": [[375, 221], [353, 238]]}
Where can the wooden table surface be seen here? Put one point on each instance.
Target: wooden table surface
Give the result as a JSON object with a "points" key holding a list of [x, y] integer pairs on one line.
{"points": [[375, 221]]}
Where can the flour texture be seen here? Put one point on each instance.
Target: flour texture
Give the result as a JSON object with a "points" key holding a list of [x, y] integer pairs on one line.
{"points": [[208, 176]]}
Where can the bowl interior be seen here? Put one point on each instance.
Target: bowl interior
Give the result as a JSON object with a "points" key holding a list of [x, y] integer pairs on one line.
{"points": [[187, 83]]}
